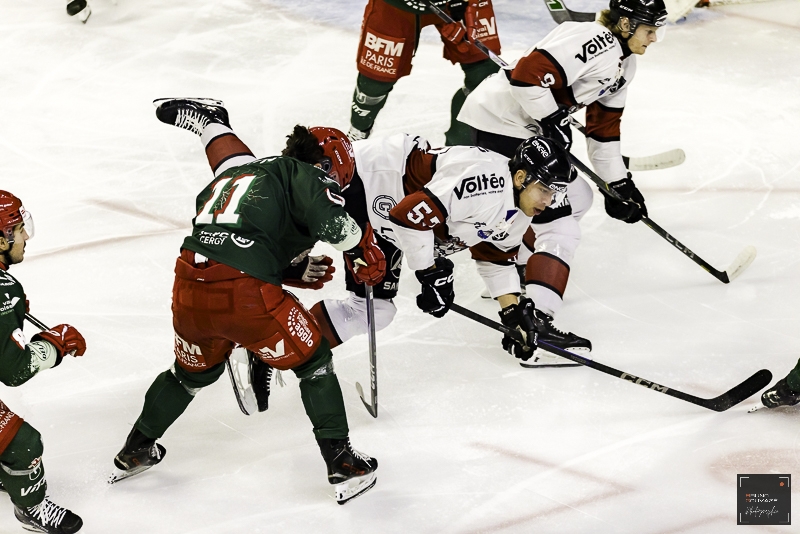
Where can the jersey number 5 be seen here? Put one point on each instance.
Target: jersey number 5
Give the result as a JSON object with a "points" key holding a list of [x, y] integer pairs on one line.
{"points": [[228, 213]]}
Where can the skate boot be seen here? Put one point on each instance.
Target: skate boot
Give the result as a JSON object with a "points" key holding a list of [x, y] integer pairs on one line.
{"points": [[140, 453], [48, 517], [780, 395], [192, 114], [80, 9], [354, 134], [563, 340], [352, 472]]}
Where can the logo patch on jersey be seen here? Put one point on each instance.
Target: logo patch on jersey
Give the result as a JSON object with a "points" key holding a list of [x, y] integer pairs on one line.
{"points": [[299, 327], [596, 46], [212, 238], [613, 88], [381, 54], [8, 305], [479, 185], [241, 242], [503, 226], [382, 205]]}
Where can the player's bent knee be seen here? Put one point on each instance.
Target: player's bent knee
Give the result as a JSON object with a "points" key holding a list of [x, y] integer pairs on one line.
{"points": [[23, 455]]}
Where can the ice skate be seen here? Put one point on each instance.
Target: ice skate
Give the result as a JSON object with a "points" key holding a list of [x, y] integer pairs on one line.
{"points": [[250, 378], [48, 517], [351, 472], [139, 454], [563, 340], [780, 395], [192, 114], [354, 134], [79, 9]]}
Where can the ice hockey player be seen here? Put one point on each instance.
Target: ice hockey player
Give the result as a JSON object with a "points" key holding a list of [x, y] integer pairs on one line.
{"points": [[21, 468], [426, 203], [785, 392], [252, 220], [577, 65], [389, 36], [79, 9]]}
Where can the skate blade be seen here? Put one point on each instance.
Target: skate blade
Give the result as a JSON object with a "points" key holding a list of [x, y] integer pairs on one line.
{"points": [[555, 360], [350, 489], [756, 408], [204, 101], [119, 474]]}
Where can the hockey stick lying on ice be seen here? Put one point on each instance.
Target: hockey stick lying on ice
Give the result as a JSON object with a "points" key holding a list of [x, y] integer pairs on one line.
{"points": [[561, 13], [372, 406], [728, 399], [742, 261], [646, 163]]}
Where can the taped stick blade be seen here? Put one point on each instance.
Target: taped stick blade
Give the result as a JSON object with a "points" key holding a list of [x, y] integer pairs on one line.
{"points": [[664, 160], [742, 262]]}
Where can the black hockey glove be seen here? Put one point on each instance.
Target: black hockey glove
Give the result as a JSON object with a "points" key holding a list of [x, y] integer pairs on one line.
{"points": [[630, 210], [437, 288], [522, 319], [556, 127]]}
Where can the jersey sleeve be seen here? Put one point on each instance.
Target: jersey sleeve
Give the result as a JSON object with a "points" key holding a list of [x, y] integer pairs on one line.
{"points": [[16, 358], [413, 220], [532, 81]]}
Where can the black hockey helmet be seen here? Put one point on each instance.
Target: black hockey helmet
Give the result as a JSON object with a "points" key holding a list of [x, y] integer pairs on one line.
{"points": [[650, 12], [543, 160]]}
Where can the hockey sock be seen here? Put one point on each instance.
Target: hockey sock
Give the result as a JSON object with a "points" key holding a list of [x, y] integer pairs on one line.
{"points": [[322, 395], [368, 100], [169, 395], [224, 149], [21, 468], [474, 73], [793, 379], [546, 279]]}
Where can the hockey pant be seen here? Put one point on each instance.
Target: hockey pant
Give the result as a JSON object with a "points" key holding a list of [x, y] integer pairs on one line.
{"points": [[21, 468], [388, 42], [549, 246]]}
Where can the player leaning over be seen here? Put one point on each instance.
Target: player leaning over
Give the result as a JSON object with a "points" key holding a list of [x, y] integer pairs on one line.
{"points": [[577, 65], [459, 197], [21, 447], [389, 36], [252, 220]]}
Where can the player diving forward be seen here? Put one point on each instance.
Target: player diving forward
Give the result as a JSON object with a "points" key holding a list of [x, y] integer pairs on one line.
{"points": [[21, 447], [414, 196], [577, 65], [252, 220]]}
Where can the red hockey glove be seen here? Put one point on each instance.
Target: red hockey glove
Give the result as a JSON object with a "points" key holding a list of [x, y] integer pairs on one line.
{"points": [[65, 338], [472, 17], [455, 33], [309, 272], [366, 260]]}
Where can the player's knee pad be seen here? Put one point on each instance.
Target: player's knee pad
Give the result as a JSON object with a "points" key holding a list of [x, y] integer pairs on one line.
{"points": [[348, 317], [23, 456]]}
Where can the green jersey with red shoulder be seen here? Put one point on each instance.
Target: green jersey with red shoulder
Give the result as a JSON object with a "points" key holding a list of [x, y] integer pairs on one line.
{"points": [[15, 355], [259, 216]]}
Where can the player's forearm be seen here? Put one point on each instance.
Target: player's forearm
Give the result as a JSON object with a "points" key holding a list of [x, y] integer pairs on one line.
{"points": [[417, 246], [535, 101]]}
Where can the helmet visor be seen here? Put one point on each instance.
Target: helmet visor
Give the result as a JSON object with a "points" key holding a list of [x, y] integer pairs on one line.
{"points": [[27, 221]]}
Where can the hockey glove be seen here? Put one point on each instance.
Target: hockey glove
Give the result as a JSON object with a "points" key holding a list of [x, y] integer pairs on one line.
{"points": [[522, 319], [556, 127], [437, 288], [309, 272], [366, 261], [455, 33], [65, 338], [473, 16], [630, 210]]}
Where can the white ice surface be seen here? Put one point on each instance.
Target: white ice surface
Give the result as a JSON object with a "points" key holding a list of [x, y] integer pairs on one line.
{"points": [[467, 440]]}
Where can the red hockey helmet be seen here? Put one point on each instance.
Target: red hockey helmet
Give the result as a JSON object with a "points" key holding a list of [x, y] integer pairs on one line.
{"points": [[339, 161], [12, 212]]}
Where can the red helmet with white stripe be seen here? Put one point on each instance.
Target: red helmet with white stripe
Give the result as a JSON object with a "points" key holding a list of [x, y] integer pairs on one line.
{"points": [[339, 161], [12, 213]]}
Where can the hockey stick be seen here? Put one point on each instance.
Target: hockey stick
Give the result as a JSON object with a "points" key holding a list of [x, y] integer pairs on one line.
{"points": [[646, 163], [721, 403], [742, 261], [372, 406], [561, 13], [36, 322]]}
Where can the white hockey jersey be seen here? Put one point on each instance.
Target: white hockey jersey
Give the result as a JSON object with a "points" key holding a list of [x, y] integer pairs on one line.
{"points": [[462, 193], [578, 64]]}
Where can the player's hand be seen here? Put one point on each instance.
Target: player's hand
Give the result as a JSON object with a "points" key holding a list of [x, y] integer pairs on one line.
{"points": [[522, 319], [556, 127], [455, 33], [366, 261], [437, 288], [65, 338], [309, 272], [630, 210]]}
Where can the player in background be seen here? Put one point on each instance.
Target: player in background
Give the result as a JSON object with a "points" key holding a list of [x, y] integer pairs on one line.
{"points": [[389, 36], [252, 220], [785, 392], [79, 9], [577, 65], [21, 468], [426, 203]]}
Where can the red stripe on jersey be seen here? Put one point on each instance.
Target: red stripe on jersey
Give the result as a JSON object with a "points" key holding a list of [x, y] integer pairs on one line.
{"points": [[485, 251], [225, 147], [602, 122], [538, 68], [420, 167], [529, 239], [547, 270], [419, 211]]}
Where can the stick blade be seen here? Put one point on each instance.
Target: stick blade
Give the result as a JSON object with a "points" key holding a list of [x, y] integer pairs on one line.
{"points": [[368, 405], [742, 392], [742, 262], [664, 160]]}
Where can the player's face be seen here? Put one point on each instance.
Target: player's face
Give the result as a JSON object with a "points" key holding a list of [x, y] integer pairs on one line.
{"points": [[535, 198], [643, 37], [17, 252]]}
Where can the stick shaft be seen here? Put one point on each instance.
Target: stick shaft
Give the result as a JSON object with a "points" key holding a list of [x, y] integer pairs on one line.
{"points": [[36, 322]]}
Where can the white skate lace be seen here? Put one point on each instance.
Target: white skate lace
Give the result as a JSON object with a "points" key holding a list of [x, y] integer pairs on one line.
{"points": [[192, 120], [155, 452], [360, 455], [48, 512]]}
